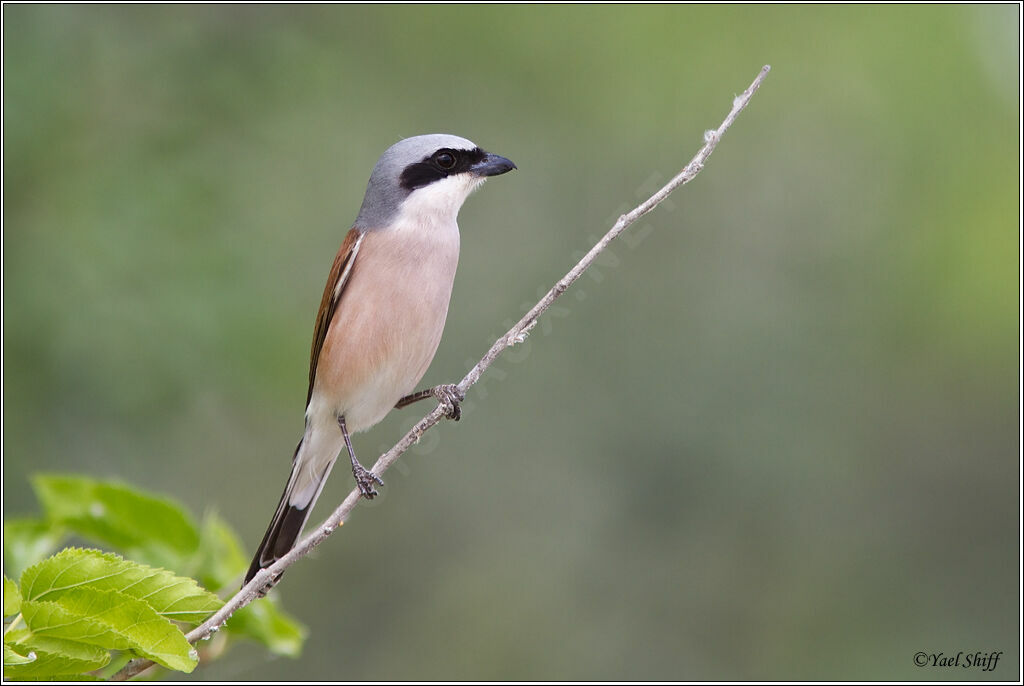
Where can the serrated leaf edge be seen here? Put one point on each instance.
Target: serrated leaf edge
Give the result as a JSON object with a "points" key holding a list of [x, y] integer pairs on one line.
{"points": [[131, 644], [195, 590]]}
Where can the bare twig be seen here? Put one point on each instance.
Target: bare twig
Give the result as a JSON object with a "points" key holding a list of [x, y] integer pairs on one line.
{"points": [[514, 335]]}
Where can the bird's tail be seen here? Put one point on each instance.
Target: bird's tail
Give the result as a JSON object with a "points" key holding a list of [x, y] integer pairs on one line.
{"points": [[304, 486]]}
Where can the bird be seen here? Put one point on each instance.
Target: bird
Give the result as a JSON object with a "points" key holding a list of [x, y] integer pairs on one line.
{"points": [[381, 317]]}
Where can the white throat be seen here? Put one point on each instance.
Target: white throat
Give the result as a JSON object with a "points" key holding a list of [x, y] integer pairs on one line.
{"points": [[440, 202]]}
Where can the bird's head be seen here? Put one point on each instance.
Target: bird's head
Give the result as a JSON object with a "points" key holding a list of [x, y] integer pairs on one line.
{"points": [[429, 175]]}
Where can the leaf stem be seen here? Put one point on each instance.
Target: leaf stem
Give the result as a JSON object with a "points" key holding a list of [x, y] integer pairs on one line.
{"points": [[14, 622]]}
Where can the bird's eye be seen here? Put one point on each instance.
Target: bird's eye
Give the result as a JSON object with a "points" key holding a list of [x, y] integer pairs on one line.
{"points": [[445, 160]]}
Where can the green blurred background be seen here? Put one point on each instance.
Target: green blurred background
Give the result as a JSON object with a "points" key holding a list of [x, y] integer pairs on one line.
{"points": [[773, 435]]}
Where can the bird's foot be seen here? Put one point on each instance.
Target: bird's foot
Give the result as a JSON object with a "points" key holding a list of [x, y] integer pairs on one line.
{"points": [[450, 397], [365, 480]]}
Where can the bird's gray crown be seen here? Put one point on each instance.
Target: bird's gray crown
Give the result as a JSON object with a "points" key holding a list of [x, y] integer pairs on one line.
{"points": [[386, 190]]}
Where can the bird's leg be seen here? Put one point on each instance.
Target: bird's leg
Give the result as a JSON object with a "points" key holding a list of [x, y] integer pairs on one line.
{"points": [[364, 477], [448, 395]]}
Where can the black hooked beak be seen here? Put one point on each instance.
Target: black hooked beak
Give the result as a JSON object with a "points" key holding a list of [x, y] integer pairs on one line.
{"points": [[492, 165]]}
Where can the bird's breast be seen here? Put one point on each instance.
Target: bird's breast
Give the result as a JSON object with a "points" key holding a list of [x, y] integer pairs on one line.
{"points": [[388, 322]]}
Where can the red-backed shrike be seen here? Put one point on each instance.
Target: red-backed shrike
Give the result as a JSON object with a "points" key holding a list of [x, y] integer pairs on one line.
{"points": [[381, 315]]}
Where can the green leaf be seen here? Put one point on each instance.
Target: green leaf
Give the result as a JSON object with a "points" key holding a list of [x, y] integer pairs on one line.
{"points": [[12, 598], [113, 620], [54, 656], [116, 514], [12, 657], [61, 677], [172, 596], [57, 646], [221, 559], [27, 541], [268, 624], [50, 619]]}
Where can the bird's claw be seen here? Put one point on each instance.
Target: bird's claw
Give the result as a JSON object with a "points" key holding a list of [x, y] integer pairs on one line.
{"points": [[365, 480], [450, 397]]}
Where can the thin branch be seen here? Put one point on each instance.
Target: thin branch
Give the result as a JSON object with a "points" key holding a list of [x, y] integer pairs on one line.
{"points": [[517, 334]]}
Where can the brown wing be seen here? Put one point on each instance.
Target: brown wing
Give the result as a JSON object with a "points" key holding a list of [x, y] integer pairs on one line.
{"points": [[336, 281]]}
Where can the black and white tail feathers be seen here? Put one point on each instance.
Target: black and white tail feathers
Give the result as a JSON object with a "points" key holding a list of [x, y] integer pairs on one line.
{"points": [[286, 526]]}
